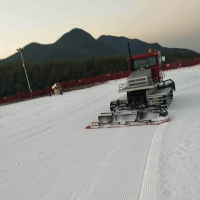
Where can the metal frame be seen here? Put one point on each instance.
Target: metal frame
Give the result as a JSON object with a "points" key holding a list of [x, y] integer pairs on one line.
{"points": [[20, 51]]}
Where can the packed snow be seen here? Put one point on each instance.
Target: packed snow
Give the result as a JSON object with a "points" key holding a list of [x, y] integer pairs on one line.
{"points": [[46, 153]]}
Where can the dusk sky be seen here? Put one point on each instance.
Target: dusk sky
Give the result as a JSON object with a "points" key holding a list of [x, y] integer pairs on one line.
{"points": [[171, 23]]}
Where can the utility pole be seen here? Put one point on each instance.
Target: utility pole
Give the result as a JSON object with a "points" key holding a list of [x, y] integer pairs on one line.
{"points": [[20, 51]]}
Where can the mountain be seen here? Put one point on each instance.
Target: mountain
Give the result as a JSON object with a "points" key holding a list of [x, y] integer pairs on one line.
{"points": [[137, 46], [75, 44], [79, 44]]}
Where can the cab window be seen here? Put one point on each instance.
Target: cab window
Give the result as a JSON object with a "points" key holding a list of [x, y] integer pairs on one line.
{"points": [[145, 62]]}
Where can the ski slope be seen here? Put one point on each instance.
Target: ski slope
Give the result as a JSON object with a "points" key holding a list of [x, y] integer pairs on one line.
{"points": [[47, 154]]}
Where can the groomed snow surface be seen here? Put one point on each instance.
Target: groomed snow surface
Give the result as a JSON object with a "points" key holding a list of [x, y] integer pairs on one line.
{"points": [[47, 154]]}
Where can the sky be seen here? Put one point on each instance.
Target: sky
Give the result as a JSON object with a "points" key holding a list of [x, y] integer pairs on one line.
{"points": [[170, 23]]}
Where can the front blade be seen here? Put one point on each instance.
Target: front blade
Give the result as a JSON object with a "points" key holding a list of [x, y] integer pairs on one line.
{"points": [[97, 125]]}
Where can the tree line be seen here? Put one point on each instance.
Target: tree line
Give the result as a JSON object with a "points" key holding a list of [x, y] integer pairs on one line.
{"points": [[41, 75]]}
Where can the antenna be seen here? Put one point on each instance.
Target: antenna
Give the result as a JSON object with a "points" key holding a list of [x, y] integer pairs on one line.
{"points": [[130, 60]]}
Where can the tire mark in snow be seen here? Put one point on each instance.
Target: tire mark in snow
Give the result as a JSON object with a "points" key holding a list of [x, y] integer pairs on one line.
{"points": [[149, 190]]}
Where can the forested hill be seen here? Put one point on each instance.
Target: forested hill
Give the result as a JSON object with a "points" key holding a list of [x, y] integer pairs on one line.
{"points": [[138, 46], [75, 44], [79, 44]]}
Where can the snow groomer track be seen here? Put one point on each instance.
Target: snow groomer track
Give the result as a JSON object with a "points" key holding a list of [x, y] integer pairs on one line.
{"points": [[46, 153]]}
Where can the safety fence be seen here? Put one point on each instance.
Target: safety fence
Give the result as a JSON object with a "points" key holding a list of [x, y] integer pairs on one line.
{"points": [[20, 96], [182, 63]]}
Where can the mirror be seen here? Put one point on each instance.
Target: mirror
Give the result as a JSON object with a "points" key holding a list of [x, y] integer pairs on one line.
{"points": [[163, 58]]}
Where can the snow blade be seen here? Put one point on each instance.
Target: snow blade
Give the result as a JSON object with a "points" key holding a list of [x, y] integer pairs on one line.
{"points": [[97, 125]]}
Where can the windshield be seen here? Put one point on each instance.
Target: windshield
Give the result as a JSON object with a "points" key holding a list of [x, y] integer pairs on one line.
{"points": [[144, 62]]}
